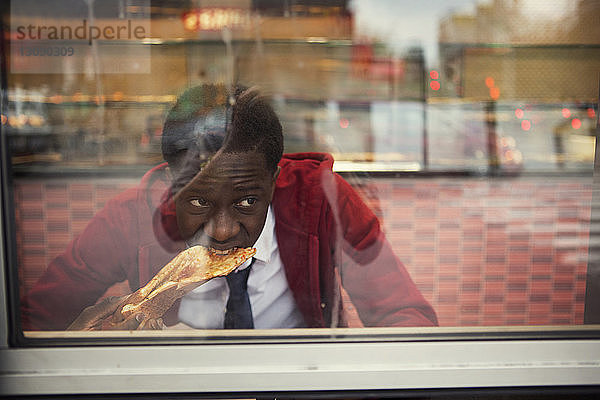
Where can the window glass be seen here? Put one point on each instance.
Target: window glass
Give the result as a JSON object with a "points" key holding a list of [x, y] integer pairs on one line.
{"points": [[438, 164]]}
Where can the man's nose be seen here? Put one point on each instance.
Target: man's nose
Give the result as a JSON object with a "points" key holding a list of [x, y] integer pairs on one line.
{"points": [[222, 227]]}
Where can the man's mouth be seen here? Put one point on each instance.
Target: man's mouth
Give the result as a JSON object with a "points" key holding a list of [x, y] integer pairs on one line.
{"points": [[221, 252]]}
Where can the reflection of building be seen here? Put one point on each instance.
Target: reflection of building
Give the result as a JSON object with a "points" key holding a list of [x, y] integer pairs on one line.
{"points": [[327, 80], [302, 52], [278, 43], [532, 54], [534, 60]]}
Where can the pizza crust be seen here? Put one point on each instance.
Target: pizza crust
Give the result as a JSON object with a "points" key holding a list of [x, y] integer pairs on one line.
{"points": [[188, 270]]}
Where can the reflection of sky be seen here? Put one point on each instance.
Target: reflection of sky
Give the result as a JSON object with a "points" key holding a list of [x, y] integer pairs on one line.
{"points": [[402, 24]]}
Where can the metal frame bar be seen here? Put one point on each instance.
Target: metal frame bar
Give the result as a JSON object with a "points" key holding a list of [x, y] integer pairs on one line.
{"points": [[299, 367]]}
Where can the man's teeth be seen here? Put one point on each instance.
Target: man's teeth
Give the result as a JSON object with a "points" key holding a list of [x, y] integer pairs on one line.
{"points": [[221, 252]]}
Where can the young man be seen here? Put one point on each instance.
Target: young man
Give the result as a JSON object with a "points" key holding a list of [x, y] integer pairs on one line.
{"points": [[226, 184]]}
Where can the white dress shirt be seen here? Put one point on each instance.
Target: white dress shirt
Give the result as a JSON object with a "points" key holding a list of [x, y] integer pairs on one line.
{"points": [[273, 305]]}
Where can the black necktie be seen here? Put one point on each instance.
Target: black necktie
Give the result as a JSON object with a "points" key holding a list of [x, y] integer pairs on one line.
{"points": [[238, 314]]}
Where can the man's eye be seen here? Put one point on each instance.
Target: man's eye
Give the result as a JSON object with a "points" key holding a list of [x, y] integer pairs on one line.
{"points": [[247, 202], [199, 203]]}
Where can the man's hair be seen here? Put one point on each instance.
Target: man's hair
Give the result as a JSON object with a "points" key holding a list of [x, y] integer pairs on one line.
{"points": [[208, 117]]}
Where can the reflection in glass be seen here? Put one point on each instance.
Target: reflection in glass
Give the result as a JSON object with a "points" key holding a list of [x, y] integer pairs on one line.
{"points": [[467, 127]]}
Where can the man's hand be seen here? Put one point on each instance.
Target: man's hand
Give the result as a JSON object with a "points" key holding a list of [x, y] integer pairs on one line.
{"points": [[96, 317]]}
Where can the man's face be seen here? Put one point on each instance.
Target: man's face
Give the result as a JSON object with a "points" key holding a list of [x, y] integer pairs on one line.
{"points": [[225, 205]]}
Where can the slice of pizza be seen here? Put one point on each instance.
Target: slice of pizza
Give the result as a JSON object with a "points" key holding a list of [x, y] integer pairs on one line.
{"points": [[188, 270]]}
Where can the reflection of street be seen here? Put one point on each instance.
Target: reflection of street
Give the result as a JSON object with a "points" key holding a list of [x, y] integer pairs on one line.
{"points": [[536, 137], [528, 138], [60, 129]]}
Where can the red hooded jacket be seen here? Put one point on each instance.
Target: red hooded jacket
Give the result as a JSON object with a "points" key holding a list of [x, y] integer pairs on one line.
{"points": [[326, 235]]}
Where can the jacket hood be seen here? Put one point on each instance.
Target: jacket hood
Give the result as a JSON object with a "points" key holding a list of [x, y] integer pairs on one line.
{"points": [[324, 160]]}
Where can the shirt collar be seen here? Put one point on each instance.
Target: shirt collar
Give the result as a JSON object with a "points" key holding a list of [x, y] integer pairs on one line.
{"points": [[264, 243]]}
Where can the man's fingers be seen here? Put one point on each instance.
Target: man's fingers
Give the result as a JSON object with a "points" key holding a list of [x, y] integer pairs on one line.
{"points": [[102, 316], [153, 324], [91, 317], [130, 324], [158, 324], [107, 306]]}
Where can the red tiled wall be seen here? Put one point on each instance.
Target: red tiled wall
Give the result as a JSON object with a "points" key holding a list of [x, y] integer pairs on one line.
{"points": [[492, 252], [49, 214], [483, 252]]}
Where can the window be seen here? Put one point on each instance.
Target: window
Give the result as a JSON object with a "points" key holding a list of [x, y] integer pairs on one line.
{"points": [[432, 222]]}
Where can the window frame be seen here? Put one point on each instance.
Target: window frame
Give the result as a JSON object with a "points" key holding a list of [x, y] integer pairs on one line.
{"points": [[300, 367], [407, 360]]}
